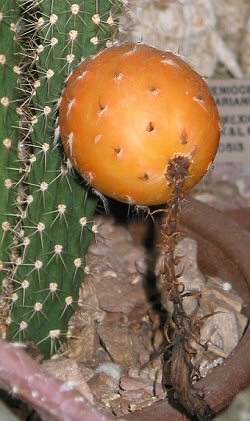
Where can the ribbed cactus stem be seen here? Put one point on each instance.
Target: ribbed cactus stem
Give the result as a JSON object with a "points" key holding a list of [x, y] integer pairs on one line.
{"points": [[10, 170], [50, 207]]}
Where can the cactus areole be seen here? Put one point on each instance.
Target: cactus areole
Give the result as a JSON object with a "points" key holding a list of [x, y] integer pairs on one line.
{"points": [[130, 111]]}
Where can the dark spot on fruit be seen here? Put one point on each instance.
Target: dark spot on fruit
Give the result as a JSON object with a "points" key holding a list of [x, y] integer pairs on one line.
{"points": [[118, 152], [102, 109], [145, 177], [118, 75], [200, 97], [153, 89], [184, 138], [150, 127]]}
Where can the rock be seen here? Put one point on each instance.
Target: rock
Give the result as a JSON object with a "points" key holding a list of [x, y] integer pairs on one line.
{"points": [[242, 322], [119, 325], [132, 383], [158, 340], [221, 332], [224, 327], [138, 399], [82, 346], [137, 406], [215, 292], [120, 406], [204, 197], [209, 360], [102, 385], [141, 337], [120, 294], [72, 374], [117, 342], [123, 258], [136, 393], [90, 310], [191, 277], [110, 369], [150, 374], [146, 263]]}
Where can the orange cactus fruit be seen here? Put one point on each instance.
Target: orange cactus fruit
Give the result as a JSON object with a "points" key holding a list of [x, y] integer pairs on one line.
{"points": [[127, 112]]}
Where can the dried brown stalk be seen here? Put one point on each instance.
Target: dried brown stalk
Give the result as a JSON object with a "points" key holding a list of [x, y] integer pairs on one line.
{"points": [[180, 329]]}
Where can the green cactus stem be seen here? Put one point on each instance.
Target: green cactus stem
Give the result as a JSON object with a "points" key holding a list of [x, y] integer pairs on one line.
{"points": [[9, 165], [53, 209]]}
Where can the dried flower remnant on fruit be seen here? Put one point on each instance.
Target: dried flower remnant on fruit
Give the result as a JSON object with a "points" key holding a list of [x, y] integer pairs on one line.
{"points": [[178, 169]]}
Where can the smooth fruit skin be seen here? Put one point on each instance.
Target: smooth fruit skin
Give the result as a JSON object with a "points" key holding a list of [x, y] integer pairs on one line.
{"points": [[127, 112]]}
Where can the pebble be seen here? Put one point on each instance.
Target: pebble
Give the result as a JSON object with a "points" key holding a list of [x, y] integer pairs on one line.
{"points": [[116, 334]]}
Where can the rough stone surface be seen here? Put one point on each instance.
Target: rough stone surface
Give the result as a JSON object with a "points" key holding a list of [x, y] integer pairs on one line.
{"points": [[129, 383], [117, 342], [221, 332], [102, 385], [73, 374], [120, 294], [117, 333], [213, 295], [85, 345], [207, 33]]}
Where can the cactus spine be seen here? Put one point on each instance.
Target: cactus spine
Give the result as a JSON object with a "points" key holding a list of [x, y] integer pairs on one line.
{"points": [[51, 224], [9, 165]]}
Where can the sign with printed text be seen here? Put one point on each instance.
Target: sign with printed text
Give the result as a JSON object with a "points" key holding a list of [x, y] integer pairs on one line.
{"points": [[232, 97]]}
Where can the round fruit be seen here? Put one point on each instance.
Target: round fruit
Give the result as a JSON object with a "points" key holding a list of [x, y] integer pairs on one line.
{"points": [[127, 112]]}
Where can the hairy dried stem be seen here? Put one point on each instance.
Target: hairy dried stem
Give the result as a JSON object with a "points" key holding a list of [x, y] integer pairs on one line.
{"points": [[180, 330]]}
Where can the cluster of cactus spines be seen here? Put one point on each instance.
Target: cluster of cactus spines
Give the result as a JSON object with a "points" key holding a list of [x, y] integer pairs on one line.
{"points": [[51, 211]]}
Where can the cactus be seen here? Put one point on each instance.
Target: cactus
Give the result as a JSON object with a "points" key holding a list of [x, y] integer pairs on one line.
{"points": [[8, 135], [47, 209]]}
